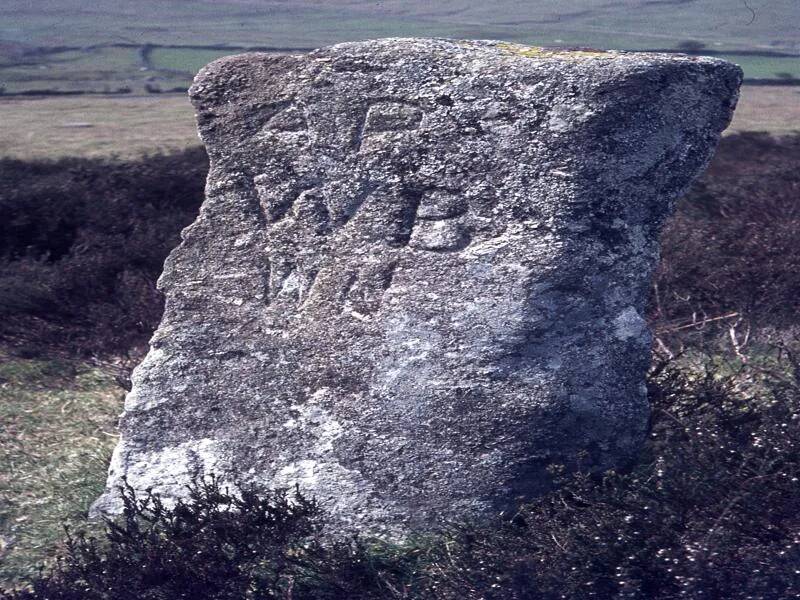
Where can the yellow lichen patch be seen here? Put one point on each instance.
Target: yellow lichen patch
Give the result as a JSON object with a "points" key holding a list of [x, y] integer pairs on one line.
{"points": [[540, 52]]}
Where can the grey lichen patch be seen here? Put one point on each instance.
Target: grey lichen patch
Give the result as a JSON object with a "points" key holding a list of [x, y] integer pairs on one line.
{"points": [[439, 235], [418, 275]]}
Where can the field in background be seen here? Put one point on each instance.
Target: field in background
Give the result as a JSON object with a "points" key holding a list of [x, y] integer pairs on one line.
{"points": [[127, 126], [756, 24], [130, 126], [153, 45], [164, 69], [775, 109]]}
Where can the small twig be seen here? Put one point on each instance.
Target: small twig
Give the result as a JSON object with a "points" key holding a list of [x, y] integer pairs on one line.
{"points": [[657, 296], [389, 585], [696, 323], [675, 419], [663, 347], [738, 345]]}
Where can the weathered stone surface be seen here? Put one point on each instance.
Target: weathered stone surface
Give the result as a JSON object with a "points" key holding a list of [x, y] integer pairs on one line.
{"points": [[419, 273]]}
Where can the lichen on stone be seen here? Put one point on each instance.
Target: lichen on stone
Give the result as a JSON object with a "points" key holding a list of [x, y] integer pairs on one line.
{"points": [[543, 52]]}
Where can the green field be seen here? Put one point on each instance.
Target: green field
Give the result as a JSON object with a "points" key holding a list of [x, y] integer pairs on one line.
{"points": [[187, 60], [99, 70], [767, 67]]}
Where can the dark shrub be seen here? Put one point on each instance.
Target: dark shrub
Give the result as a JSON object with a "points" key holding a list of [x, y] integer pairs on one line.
{"points": [[82, 243], [712, 508], [212, 545], [731, 254]]}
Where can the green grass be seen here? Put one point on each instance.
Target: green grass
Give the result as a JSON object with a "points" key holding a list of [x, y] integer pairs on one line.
{"points": [[58, 430], [104, 59], [766, 67], [184, 59]]}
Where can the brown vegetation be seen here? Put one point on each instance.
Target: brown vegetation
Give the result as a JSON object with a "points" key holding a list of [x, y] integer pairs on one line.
{"points": [[731, 255], [82, 243]]}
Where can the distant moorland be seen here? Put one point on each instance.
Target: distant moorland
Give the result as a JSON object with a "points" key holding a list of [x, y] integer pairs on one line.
{"points": [[60, 46]]}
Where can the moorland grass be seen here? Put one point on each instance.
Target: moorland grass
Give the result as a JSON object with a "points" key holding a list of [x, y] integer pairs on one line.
{"points": [[126, 127], [58, 421]]}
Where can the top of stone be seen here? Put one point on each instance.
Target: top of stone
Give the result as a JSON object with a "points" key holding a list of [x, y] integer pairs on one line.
{"points": [[509, 49], [419, 59], [416, 55]]}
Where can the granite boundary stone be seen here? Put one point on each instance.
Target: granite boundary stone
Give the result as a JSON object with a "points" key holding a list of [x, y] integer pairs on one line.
{"points": [[419, 274]]}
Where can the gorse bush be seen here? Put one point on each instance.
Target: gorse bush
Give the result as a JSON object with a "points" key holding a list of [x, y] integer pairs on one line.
{"points": [[711, 509]]}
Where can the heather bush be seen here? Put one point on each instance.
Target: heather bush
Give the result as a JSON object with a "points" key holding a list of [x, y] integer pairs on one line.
{"points": [[730, 262], [711, 509], [82, 243]]}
